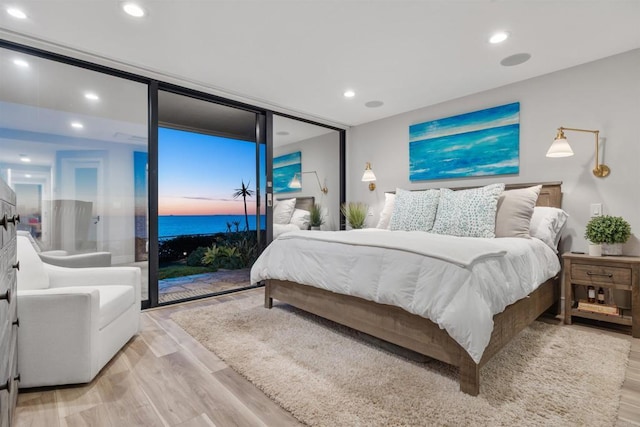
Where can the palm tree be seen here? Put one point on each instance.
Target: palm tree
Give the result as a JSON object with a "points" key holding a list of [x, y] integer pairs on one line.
{"points": [[245, 192]]}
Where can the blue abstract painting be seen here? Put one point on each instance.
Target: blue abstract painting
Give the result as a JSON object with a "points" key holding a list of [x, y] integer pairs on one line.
{"points": [[284, 168], [481, 143]]}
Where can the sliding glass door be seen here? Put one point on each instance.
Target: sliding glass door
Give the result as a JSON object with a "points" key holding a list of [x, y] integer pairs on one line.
{"points": [[72, 139], [209, 221]]}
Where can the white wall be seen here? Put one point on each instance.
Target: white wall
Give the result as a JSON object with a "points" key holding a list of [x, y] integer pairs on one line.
{"points": [[320, 154], [602, 95]]}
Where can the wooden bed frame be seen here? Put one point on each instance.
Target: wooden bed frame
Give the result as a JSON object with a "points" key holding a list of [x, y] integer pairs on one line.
{"points": [[419, 334]]}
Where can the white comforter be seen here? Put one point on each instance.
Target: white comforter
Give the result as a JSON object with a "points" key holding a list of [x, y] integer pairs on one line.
{"points": [[460, 295]]}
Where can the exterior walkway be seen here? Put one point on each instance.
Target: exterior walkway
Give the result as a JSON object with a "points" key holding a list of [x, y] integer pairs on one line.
{"points": [[202, 284]]}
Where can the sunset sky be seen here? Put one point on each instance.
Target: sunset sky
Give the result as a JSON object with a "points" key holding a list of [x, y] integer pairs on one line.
{"points": [[198, 174]]}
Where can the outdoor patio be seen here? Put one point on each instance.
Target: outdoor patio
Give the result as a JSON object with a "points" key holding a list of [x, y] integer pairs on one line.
{"points": [[202, 284]]}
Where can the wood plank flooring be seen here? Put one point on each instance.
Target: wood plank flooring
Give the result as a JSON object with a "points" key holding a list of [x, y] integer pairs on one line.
{"points": [[163, 377]]}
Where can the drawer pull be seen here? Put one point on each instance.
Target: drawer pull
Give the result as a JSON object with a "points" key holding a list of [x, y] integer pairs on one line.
{"points": [[6, 295], [3, 221], [16, 265], [14, 219], [6, 386], [16, 323], [589, 273]]}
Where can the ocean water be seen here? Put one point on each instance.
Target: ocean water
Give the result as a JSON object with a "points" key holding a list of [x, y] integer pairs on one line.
{"points": [[180, 225]]}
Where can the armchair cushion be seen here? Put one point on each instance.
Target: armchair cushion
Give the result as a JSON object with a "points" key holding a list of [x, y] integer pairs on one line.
{"points": [[114, 300]]}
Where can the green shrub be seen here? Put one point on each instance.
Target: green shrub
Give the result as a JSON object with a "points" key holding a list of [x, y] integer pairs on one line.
{"points": [[355, 213], [195, 258], [607, 229], [315, 215], [223, 257]]}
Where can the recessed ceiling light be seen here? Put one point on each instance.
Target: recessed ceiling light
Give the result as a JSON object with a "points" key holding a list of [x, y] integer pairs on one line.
{"points": [[498, 37], [374, 104], [27, 175], [24, 158], [517, 59], [349, 94], [133, 9], [77, 125], [91, 96], [21, 63], [16, 13]]}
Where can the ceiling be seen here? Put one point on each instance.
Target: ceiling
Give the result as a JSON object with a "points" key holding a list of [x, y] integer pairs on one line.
{"points": [[298, 57]]}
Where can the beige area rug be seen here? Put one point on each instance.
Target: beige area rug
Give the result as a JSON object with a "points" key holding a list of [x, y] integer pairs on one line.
{"points": [[326, 375]]}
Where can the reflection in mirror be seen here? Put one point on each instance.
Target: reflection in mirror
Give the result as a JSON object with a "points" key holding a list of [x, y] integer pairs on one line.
{"points": [[306, 162], [74, 149]]}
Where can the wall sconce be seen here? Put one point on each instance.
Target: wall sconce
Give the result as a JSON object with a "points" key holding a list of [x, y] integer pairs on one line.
{"points": [[296, 183], [561, 148], [369, 177]]}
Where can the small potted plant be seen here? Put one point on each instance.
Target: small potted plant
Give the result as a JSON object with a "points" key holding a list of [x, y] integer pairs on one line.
{"points": [[607, 232], [355, 213], [315, 217]]}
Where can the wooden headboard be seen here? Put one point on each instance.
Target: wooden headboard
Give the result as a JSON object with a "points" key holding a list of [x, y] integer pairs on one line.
{"points": [[550, 193], [303, 203]]}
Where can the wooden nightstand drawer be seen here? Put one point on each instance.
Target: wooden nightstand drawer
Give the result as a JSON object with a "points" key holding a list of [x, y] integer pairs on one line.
{"points": [[598, 274]]}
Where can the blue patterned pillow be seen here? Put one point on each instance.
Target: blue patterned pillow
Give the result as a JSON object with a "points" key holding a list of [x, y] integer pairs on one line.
{"points": [[414, 210], [468, 213]]}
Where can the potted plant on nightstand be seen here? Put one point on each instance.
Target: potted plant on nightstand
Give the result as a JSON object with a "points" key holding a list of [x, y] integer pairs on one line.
{"points": [[610, 232], [355, 213], [315, 217]]}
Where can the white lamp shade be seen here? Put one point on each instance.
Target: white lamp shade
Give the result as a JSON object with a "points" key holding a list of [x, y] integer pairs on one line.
{"points": [[295, 182], [560, 148], [368, 175]]}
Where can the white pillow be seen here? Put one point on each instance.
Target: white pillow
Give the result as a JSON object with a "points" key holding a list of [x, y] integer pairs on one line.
{"points": [[515, 208], [301, 218], [468, 213], [283, 211], [547, 224], [387, 211], [414, 210]]}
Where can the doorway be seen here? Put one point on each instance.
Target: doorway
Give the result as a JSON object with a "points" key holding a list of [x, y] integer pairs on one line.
{"points": [[210, 223]]}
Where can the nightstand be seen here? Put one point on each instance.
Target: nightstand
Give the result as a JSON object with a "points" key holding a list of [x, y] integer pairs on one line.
{"points": [[613, 274]]}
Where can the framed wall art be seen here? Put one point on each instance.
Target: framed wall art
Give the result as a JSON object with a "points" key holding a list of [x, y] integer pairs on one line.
{"points": [[480, 143]]}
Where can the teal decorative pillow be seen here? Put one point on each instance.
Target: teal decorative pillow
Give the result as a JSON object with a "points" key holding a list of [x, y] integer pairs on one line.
{"points": [[468, 213], [414, 210]]}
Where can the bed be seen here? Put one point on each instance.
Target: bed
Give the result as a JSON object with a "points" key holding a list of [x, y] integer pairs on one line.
{"points": [[395, 324], [294, 217]]}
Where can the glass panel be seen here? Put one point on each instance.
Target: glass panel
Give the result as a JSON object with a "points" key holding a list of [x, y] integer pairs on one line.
{"points": [[306, 165], [207, 205], [72, 140]]}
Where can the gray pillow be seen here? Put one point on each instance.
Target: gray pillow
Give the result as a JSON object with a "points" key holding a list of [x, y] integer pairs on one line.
{"points": [[515, 208]]}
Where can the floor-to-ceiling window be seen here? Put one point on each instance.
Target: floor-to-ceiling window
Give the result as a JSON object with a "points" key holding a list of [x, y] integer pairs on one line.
{"points": [[98, 157], [74, 148]]}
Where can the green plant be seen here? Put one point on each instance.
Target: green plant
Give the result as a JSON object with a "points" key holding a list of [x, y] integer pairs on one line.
{"points": [[355, 213], [607, 229], [223, 257], [195, 258], [315, 215]]}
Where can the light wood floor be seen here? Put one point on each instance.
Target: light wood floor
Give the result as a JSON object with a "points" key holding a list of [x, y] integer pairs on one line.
{"points": [[163, 377]]}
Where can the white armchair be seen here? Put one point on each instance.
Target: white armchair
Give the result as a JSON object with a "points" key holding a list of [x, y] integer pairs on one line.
{"points": [[72, 320]]}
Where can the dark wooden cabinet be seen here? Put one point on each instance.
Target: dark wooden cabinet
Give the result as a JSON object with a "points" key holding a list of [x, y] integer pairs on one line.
{"points": [[9, 323]]}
